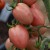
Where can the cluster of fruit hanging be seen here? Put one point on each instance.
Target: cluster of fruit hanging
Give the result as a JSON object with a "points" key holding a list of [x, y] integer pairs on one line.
{"points": [[28, 26]]}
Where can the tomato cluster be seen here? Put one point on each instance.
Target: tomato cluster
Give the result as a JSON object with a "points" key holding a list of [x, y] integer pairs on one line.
{"points": [[28, 13]]}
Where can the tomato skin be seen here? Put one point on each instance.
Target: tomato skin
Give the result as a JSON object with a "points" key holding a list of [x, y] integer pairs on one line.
{"points": [[2, 4], [38, 17], [8, 44], [19, 36], [30, 2], [23, 14], [31, 44], [35, 5]]}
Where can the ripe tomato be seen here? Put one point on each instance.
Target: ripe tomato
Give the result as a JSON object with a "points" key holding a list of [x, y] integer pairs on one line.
{"points": [[19, 36], [30, 2], [38, 17], [8, 44], [31, 44], [35, 5], [2, 3], [42, 31], [23, 14]]}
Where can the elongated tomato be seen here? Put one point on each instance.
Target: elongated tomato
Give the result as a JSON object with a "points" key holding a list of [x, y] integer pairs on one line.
{"points": [[2, 3], [19, 36], [23, 14], [38, 17]]}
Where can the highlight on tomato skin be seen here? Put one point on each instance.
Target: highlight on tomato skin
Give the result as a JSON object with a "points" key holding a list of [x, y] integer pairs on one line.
{"points": [[2, 4], [38, 17], [19, 36], [23, 14]]}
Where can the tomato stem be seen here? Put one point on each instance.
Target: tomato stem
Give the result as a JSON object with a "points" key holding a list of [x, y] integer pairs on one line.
{"points": [[9, 25], [15, 22], [21, 1], [37, 44], [13, 5], [40, 36], [39, 30], [45, 27]]}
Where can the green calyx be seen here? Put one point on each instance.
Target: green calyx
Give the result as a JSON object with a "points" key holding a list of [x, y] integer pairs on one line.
{"points": [[13, 23], [14, 4]]}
